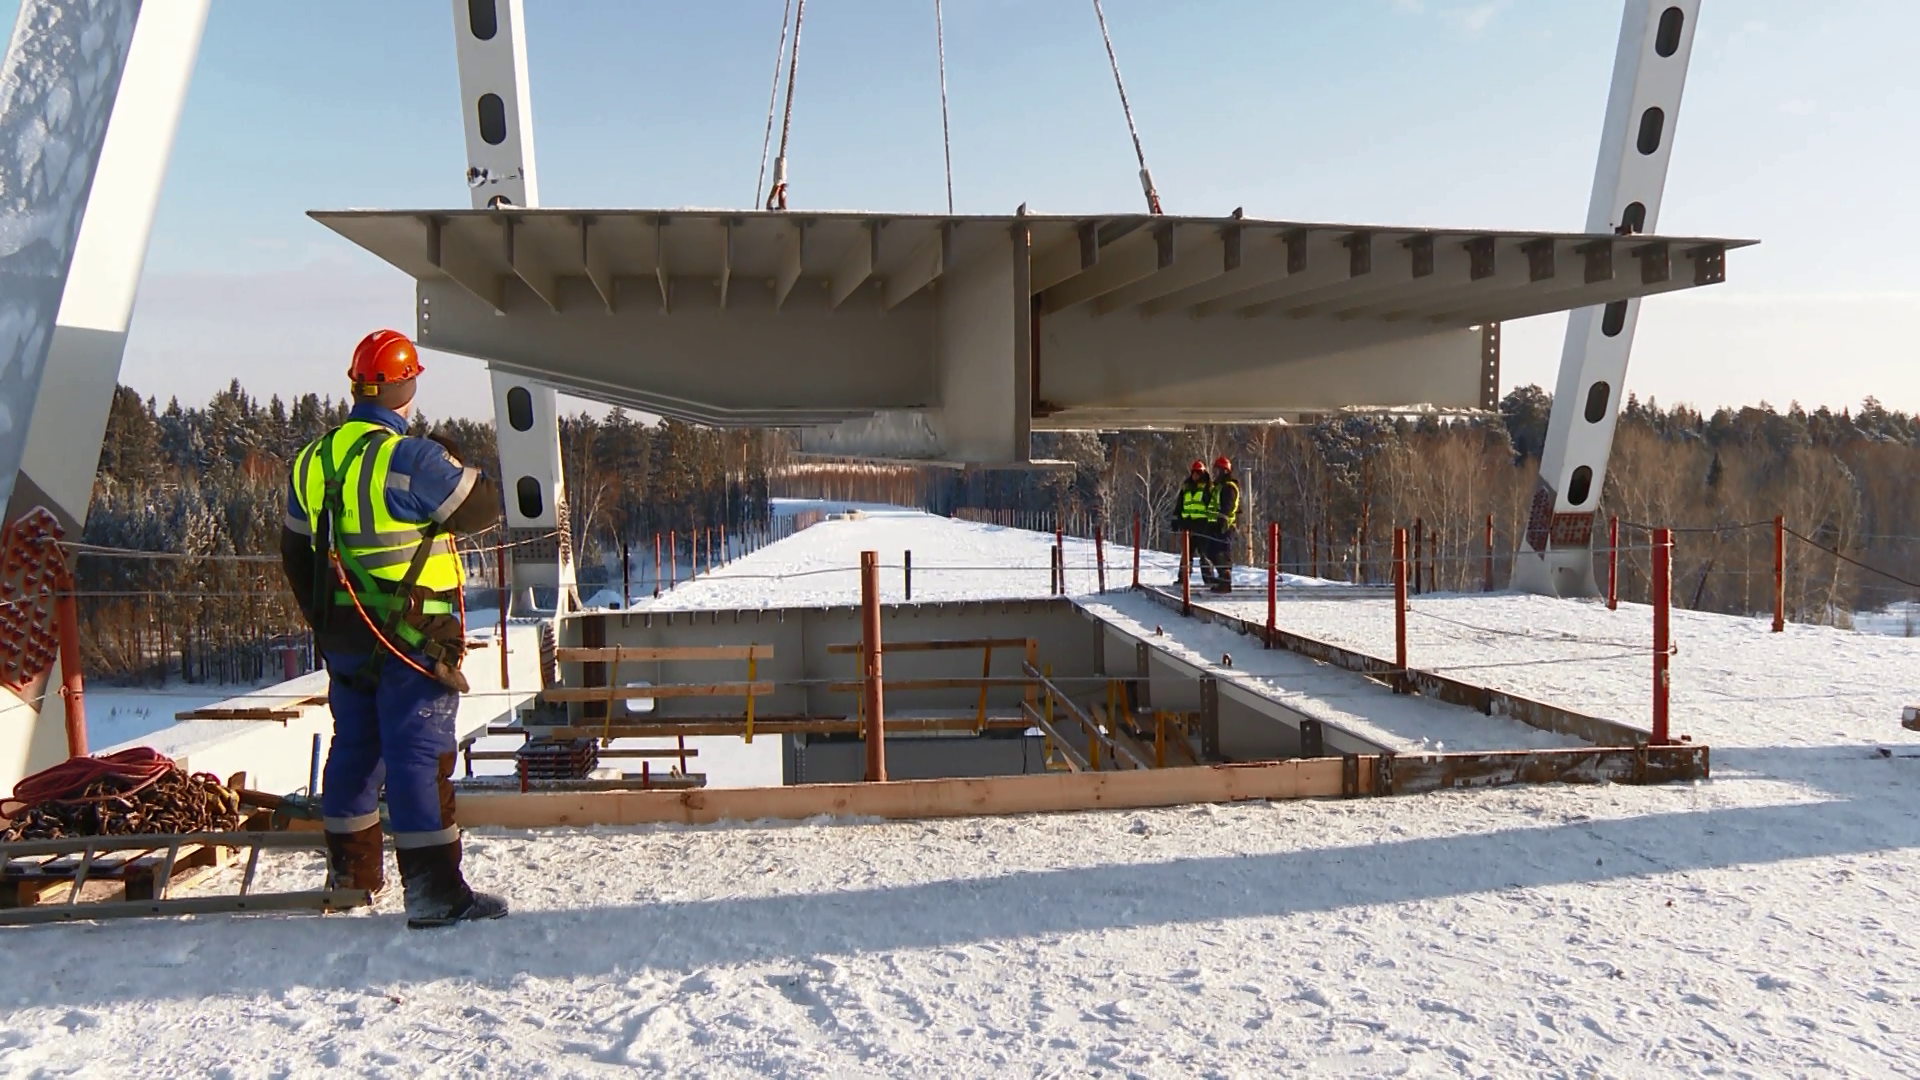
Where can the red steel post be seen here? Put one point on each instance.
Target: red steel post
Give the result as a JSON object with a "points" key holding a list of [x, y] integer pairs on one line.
{"points": [[1186, 572], [1488, 585], [1662, 629], [1613, 563], [1136, 551], [673, 558], [1779, 573], [1100, 558], [626, 575], [1419, 545], [870, 691], [1273, 576], [500, 571], [1400, 608], [66, 613], [656, 565]]}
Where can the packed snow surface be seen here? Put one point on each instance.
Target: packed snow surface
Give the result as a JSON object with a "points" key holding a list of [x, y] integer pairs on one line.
{"points": [[1760, 924]]}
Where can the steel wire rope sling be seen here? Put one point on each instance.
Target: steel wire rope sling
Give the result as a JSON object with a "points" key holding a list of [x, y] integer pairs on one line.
{"points": [[1146, 177], [397, 604], [773, 104], [946, 131], [777, 195]]}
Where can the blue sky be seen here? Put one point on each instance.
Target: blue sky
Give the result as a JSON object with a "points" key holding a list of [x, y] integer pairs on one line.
{"points": [[1795, 129]]}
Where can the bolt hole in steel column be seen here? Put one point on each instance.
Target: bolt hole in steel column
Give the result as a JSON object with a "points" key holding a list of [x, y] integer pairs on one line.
{"points": [[485, 20], [520, 409], [1597, 397], [1634, 218], [1652, 122], [1666, 40], [493, 119], [532, 500], [1614, 319], [1579, 486]]}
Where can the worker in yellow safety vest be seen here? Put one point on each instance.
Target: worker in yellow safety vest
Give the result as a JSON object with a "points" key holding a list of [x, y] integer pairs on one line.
{"points": [[1223, 513], [368, 549], [1193, 514]]}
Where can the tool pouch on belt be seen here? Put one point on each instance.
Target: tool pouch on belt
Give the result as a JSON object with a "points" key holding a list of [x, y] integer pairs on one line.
{"points": [[444, 640]]}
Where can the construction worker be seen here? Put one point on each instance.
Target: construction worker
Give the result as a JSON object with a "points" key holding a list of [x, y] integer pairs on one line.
{"points": [[1192, 514], [1223, 514], [368, 548]]}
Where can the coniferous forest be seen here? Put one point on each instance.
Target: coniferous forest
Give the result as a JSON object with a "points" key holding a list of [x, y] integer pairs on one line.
{"points": [[206, 487]]}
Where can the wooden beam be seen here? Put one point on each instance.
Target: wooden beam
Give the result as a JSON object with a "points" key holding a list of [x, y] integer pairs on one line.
{"points": [[560, 694], [593, 255], [856, 266], [960, 682], [527, 264], [462, 267], [935, 645], [918, 799], [669, 727], [627, 654], [793, 247], [1138, 256], [933, 258]]}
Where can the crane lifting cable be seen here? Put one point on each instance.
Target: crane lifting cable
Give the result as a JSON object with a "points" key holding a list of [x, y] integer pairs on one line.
{"points": [[946, 132], [773, 101], [777, 196], [1146, 178]]}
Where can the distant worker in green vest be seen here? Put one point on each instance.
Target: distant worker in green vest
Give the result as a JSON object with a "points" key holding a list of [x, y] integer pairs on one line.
{"points": [[1223, 513], [368, 548], [1193, 514]]}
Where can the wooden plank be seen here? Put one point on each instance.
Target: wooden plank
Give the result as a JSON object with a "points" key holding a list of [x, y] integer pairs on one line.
{"points": [[915, 799], [634, 654], [257, 713], [605, 752], [960, 682], [561, 694], [1596, 765], [736, 726], [939, 645]]}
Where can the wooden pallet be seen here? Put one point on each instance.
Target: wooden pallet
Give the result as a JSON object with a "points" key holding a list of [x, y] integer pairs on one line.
{"points": [[132, 875]]}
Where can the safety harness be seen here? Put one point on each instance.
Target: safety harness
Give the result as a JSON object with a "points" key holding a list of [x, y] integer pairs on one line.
{"points": [[406, 611]]}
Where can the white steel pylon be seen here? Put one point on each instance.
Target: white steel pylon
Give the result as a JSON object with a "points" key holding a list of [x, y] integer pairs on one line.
{"points": [[85, 191], [498, 118], [1643, 107]]}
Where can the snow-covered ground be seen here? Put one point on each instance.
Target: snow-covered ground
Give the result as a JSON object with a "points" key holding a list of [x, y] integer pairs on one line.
{"points": [[1760, 924]]}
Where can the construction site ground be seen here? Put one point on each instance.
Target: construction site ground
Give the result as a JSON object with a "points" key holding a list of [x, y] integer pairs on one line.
{"points": [[1761, 923]]}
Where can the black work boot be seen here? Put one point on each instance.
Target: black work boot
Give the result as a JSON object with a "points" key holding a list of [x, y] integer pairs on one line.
{"points": [[356, 861], [436, 892], [1223, 579]]}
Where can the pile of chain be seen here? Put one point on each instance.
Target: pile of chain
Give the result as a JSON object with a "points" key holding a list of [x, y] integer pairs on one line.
{"points": [[134, 792]]}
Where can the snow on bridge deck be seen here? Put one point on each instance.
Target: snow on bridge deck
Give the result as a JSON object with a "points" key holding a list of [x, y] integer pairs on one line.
{"points": [[1760, 923]]}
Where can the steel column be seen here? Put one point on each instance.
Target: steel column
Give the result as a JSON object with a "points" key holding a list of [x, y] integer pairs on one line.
{"points": [[1643, 106]]}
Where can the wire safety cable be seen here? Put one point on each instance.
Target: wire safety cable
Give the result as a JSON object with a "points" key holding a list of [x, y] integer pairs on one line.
{"points": [[1146, 177], [1810, 542], [773, 102], [777, 196], [946, 131]]}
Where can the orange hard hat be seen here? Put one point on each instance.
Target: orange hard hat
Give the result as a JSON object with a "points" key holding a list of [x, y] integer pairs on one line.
{"points": [[1222, 463], [384, 356]]}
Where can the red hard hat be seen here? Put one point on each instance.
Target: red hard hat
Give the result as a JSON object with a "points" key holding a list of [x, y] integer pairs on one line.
{"points": [[384, 356], [1198, 466], [1221, 462]]}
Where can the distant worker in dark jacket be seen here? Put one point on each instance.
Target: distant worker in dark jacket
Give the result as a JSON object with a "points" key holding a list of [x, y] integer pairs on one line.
{"points": [[1193, 514], [1224, 516], [368, 548]]}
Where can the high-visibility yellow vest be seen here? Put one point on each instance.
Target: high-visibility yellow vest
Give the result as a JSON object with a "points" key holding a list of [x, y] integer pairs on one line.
{"points": [[1196, 503], [372, 543], [1213, 503]]}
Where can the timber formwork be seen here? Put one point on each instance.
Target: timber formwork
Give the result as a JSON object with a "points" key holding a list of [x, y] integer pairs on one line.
{"points": [[1083, 714]]}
